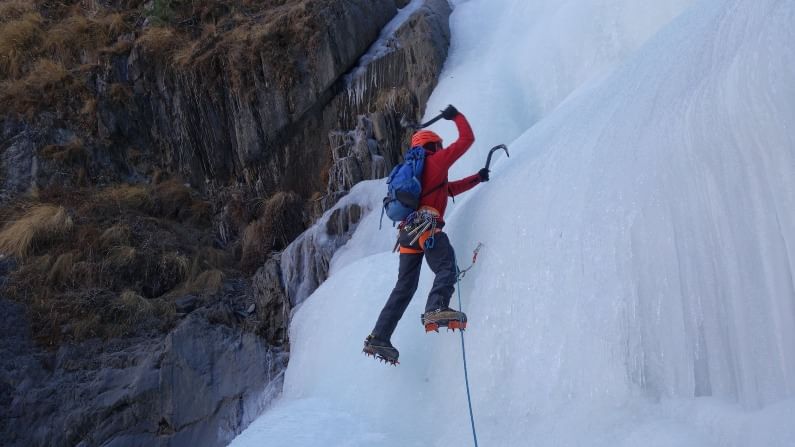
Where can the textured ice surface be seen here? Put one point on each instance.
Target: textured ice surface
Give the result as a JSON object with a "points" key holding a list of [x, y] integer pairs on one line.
{"points": [[636, 284]]}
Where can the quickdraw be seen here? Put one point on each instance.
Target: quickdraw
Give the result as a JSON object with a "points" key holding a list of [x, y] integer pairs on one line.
{"points": [[462, 273]]}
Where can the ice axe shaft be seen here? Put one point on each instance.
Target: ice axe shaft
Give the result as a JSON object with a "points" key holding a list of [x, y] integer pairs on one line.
{"points": [[491, 152], [411, 125]]}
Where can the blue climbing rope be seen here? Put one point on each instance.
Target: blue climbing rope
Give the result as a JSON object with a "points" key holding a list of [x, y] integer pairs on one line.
{"points": [[464, 355]]}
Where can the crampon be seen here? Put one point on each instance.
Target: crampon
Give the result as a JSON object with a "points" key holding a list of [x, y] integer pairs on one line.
{"points": [[449, 318], [382, 351]]}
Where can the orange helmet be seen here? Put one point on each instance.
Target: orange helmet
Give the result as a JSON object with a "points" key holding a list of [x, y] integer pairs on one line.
{"points": [[423, 137]]}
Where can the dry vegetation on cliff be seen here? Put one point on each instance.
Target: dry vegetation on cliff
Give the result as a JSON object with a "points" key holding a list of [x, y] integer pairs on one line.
{"points": [[279, 220], [109, 262], [113, 261], [46, 59], [71, 38], [98, 258]]}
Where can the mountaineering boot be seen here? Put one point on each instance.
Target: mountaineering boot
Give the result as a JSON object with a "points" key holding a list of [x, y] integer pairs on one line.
{"points": [[382, 350], [447, 317]]}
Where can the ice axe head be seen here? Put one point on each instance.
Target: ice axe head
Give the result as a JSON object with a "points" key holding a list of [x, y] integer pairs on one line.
{"points": [[491, 152]]}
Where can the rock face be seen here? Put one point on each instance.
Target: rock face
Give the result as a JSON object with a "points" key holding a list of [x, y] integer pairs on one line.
{"points": [[271, 303], [391, 85], [305, 262], [263, 126], [200, 385], [259, 119], [314, 126], [23, 170], [260, 127]]}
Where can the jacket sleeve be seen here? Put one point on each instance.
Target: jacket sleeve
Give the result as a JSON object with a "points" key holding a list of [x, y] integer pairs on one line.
{"points": [[465, 184], [449, 155]]}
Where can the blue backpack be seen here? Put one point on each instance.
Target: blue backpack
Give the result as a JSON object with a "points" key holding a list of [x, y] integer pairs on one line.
{"points": [[404, 186]]}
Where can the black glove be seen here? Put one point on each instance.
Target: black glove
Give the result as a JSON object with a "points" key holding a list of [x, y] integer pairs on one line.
{"points": [[449, 113], [484, 175]]}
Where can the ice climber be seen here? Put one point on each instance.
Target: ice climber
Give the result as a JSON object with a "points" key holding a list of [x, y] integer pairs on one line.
{"points": [[420, 235]]}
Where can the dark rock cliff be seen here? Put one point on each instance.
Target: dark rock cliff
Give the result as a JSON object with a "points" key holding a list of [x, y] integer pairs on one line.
{"points": [[284, 109], [198, 386], [263, 123], [239, 109]]}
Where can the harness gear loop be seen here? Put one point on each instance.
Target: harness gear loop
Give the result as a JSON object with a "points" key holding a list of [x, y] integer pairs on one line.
{"points": [[421, 226]]}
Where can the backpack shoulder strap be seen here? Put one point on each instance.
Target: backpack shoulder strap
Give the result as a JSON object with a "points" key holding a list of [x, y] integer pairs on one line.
{"points": [[434, 189]]}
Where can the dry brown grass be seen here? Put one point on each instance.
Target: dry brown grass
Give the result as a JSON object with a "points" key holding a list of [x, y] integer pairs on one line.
{"points": [[208, 258], [169, 199], [285, 214], [114, 236], [173, 199], [14, 9], [85, 273], [281, 220], [39, 225], [47, 83], [126, 196], [114, 24], [175, 264], [206, 284], [39, 265], [254, 246], [48, 56], [160, 42], [45, 75], [188, 53], [86, 328], [19, 40], [173, 196], [236, 40], [117, 48], [133, 306], [73, 38], [129, 311], [158, 273], [120, 257], [120, 264], [62, 269]]}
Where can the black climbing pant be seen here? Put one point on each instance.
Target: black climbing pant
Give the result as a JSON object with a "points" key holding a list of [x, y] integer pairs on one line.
{"points": [[441, 260]]}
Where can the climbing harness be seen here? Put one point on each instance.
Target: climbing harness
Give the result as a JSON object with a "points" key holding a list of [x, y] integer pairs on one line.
{"points": [[416, 225]]}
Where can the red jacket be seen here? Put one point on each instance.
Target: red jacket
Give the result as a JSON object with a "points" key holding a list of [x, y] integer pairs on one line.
{"points": [[434, 172]]}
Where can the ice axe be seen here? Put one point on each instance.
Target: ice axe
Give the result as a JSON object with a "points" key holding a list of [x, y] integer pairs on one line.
{"points": [[416, 126], [491, 152]]}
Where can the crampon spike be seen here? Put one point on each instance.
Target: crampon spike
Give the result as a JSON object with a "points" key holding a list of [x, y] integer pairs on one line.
{"points": [[381, 358], [432, 327], [457, 325], [390, 361]]}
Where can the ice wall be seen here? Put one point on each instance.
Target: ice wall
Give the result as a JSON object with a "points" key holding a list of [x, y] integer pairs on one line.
{"points": [[636, 285]]}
